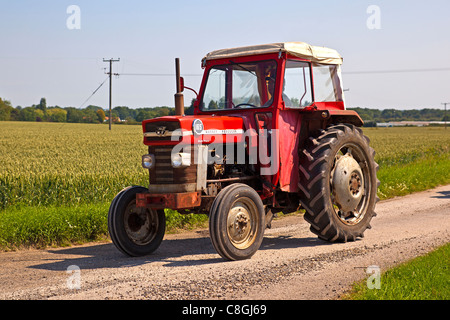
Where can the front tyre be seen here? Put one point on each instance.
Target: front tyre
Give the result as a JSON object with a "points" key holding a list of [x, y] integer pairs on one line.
{"points": [[338, 183], [135, 231], [237, 222]]}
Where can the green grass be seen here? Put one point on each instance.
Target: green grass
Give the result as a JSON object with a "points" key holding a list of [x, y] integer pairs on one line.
{"points": [[423, 278], [44, 226], [423, 173], [52, 226], [56, 180]]}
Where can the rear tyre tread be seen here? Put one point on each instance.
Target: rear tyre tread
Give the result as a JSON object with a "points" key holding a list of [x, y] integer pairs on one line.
{"points": [[316, 162]]}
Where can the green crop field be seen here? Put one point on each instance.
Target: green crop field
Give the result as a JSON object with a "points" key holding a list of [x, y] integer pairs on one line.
{"points": [[52, 174], [52, 164]]}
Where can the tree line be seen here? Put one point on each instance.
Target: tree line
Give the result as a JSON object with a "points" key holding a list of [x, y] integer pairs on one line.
{"points": [[90, 114], [387, 115], [123, 114]]}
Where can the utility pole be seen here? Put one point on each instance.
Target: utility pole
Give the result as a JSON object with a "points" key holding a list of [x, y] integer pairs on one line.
{"points": [[110, 86], [445, 113]]}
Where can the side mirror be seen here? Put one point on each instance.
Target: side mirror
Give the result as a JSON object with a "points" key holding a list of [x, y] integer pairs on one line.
{"points": [[182, 87], [181, 84]]}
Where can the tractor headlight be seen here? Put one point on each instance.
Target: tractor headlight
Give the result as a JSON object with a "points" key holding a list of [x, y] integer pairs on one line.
{"points": [[181, 160], [148, 161]]}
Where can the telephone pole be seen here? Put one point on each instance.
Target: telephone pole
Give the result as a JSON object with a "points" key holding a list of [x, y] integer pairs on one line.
{"points": [[445, 113], [110, 86]]}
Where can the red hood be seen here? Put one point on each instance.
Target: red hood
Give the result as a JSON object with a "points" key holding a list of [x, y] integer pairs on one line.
{"points": [[208, 128]]}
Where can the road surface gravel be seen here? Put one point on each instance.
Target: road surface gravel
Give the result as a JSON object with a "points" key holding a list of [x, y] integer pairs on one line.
{"points": [[292, 263]]}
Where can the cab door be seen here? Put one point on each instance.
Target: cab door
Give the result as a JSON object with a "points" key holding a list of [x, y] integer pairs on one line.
{"points": [[296, 94]]}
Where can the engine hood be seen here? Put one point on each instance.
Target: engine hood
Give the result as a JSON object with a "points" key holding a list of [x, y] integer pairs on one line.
{"points": [[192, 129]]}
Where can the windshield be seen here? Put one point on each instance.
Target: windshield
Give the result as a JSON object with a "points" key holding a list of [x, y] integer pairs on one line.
{"points": [[240, 85]]}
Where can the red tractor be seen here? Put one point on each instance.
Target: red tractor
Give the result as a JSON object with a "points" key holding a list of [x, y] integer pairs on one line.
{"points": [[270, 133]]}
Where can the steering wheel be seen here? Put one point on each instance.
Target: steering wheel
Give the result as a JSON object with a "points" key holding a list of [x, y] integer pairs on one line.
{"points": [[245, 104]]}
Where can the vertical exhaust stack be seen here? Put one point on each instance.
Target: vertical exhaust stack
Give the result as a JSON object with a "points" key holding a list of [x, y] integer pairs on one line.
{"points": [[179, 99]]}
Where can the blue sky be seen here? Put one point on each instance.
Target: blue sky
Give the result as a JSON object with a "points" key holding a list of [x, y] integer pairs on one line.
{"points": [[41, 57]]}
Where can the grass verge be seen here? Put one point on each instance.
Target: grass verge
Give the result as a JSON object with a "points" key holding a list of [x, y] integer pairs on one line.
{"points": [[423, 278], [52, 226], [421, 174], [40, 227]]}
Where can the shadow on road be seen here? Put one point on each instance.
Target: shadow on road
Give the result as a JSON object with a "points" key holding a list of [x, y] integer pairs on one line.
{"points": [[169, 254], [444, 195]]}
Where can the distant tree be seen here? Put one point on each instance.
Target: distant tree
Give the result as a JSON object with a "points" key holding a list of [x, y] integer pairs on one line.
{"points": [[5, 110], [56, 115], [27, 114], [93, 108], [39, 115], [163, 111], [89, 116], [42, 105], [212, 105], [74, 115], [145, 114], [125, 112], [390, 114], [14, 116], [101, 115], [190, 110]]}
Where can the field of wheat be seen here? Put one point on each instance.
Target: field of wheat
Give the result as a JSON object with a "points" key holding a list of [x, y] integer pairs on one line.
{"points": [[49, 163], [57, 180]]}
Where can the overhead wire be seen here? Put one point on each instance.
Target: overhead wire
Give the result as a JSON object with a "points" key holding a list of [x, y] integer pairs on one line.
{"points": [[159, 74], [94, 92], [344, 72], [396, 71]]}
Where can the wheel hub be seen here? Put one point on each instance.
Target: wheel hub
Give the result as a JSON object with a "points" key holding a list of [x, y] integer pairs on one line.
{"points": [[139, 224], [347, 184], [239, 224]]}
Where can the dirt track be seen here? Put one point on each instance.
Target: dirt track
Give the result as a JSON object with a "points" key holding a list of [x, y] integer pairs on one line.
{"points": [[291, 264]]}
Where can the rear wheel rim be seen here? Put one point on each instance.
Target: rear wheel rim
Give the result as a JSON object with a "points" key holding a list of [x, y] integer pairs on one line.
{"points": [[358, 185]]}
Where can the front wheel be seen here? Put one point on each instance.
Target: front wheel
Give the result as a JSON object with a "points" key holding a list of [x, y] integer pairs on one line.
{"points": [[237, 222], [338, 183], [135, 231]]}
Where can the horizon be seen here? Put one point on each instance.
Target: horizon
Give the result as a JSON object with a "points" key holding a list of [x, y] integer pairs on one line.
{"points": [[394, 53]]}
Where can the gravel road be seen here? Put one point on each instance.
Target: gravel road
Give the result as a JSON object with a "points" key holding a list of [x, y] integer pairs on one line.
{"points": [[292, 263]]}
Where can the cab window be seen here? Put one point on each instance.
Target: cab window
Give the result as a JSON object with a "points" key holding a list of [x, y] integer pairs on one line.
{"points": [[240, 85], [297, 91], [327, 83]]}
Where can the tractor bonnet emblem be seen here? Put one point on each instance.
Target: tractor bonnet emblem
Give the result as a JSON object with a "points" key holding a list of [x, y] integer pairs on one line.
{"points": [[161, 131], [197, 127]]}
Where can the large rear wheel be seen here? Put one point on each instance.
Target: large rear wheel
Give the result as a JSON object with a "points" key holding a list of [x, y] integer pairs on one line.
{"points": [[338, 183]]}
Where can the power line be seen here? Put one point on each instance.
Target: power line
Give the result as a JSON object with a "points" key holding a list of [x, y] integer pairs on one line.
{"points": [[159, 74], [343, 72], [396, 71], [93, 92]]}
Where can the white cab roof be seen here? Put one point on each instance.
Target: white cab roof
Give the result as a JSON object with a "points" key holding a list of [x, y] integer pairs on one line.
{"points": [[298, 49]]}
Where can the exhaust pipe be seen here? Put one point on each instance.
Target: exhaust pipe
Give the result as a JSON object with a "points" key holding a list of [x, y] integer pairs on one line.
{"points": [[179, 99]]}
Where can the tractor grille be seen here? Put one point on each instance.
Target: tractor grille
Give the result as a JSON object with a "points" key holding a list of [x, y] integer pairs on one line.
{"points": [[164, 173], [161, 131]]}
